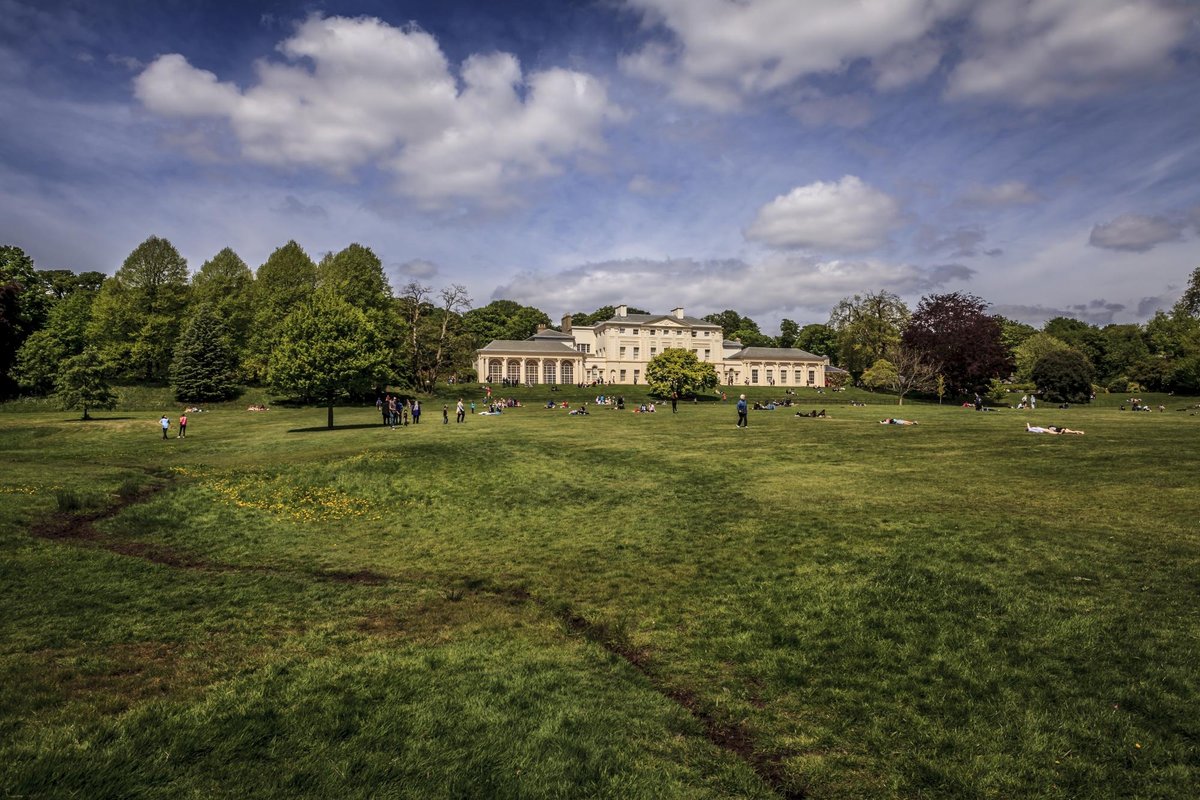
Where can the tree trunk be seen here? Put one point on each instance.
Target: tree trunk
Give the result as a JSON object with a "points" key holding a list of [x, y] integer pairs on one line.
{"points": [[329, 422], [85, 414]]}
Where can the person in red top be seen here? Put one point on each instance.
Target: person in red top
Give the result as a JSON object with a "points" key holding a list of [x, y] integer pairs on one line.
{"points": [[183, 426]]}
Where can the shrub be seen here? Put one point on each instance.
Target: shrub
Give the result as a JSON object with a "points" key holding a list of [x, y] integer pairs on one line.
{"points": [[1064, 376]]}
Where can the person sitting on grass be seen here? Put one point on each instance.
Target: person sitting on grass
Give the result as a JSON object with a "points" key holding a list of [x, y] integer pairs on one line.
{"points": [[897, 421], [1053, 430]]}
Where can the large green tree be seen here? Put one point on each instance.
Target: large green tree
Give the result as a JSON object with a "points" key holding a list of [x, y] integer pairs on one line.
{"points": [[1064, 376], [83, 383], [436, 344], [286, 279], [740, 328], [327, 350], [226, 284], [819, 339], [204, 365], [23, 307], [138, 313], [601, 314], [1078, 335], [64, 335], [503, 319], [1030, 351], [788, 331], [866, 326], [678, 370], [355, 274]]}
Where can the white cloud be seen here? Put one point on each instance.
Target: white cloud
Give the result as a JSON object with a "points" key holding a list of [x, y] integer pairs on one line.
{"points": [[778, 283], [1037, 52], [847, 216], [359, 91], [1009, 193], [418, 269], [721, 52], [1135, 233]]}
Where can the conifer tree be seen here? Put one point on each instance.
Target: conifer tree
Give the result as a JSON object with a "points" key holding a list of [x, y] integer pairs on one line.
{"points": [[203, 369]]}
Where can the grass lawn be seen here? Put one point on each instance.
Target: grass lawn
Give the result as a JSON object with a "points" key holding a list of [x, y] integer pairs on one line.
{"points": [[536, 605]]}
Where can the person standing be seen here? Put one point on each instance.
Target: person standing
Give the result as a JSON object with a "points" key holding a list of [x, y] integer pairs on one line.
{"points": [[674, 402], [445, 414], [183, 426], [742, 422], [416, 411], [460, 412], [166, 425]]}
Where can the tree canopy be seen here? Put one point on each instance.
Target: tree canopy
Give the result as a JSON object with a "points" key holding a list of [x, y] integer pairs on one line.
{"points": [[1064, 376], [502, 319], [955, 331], [866, 325], [83, 383], [678, 370], [203, 369]]}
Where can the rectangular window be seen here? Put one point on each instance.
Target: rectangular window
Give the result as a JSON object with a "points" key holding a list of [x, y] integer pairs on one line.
{"points": [[622, 330], [707, 355], [653, 352], [637, 353], [812, 377], [754, 376], [622, 376], [622, 352], [652, 331], [679, 333], [783, 376], [693, 334], [770, 377], [637, 373], [583, 348]]}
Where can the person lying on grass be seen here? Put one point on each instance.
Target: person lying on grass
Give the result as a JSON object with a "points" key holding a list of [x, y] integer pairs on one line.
{"points": [[814, 414], [896, 421], [1053, 430]]}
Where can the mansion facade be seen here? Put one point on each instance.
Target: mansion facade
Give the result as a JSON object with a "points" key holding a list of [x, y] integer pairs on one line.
{"points": [[617, 351]]}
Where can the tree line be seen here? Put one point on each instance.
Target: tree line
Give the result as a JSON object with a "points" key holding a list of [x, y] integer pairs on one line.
{"points": [[319, 330]]}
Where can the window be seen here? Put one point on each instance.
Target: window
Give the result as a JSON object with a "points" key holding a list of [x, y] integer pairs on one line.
{"points": [[783, 376], [622, 376], [531, 370], [707, 355], [754, 376], [693, 334], [622, 330], [622, 352], [514, 371], [636, 374], [812, 377], [495, 370], [653, 352], [637, 352], [770, 375], [652, 331], [583, 348], [568, 372], [679, 333], [549, 374]]}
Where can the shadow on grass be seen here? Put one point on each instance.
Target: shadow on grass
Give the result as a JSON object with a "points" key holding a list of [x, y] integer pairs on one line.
{"points": [[324, 428], [104, 419]]}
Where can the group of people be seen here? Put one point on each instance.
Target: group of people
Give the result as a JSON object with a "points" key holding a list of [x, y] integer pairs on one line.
{"points": [[397, 411], [165, 424]]}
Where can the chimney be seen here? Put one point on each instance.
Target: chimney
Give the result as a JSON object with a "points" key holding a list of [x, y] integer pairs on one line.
{"points": [[566, 324], [540, 327], [622, 310], [677, 312]]}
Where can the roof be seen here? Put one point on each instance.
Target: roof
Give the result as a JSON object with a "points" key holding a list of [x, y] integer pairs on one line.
{"points": [[777, 354], [643, 319], [728, 343], [529, 347], [549, 333]]}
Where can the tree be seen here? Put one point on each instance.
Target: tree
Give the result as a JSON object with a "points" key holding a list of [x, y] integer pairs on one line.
{"points": [[904, 370], [1032, 349], [866, 325], [955, 331], [355, 274], [23, 307], [1189, 303], [61, 283], [138, 313], [436, 339], [678, 370], [225, 283], [1124, 346], [602, 314], [64, 335], [83, 383], [939, 387], [203, 369], [743, 329], [286, 279], [502, 319], [788, 331], [1064, 376], [326, 350], [1078, 335], [819, 339]]}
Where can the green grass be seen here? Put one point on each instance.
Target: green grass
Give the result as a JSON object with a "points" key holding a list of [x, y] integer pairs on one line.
{"points": [[619, 605]]}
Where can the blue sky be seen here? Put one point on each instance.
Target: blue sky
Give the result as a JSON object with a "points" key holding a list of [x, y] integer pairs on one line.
{"points": [[771, 156]]}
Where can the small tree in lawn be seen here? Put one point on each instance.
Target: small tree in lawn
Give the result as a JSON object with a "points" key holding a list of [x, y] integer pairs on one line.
{"points": [[327, 350], [678, 370], [83, 383], [903, 371], [1064, 376], [203, 368]]}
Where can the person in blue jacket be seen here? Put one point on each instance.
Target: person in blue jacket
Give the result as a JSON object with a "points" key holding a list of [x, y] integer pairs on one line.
{"points": [[741, 409]]}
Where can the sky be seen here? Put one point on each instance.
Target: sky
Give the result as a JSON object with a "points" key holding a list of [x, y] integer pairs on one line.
{"points": [[770, 156]]}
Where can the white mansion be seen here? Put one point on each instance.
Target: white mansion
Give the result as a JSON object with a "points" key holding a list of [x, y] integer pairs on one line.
{"points": [[617, 351]]}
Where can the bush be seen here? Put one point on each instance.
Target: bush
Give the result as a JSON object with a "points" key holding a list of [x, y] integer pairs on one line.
{"points": [[1064, 376]]}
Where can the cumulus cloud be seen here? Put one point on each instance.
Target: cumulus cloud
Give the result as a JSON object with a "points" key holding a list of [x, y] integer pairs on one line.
{"points": [[1135, 233], [718, 53], [1037, 52], [779, 282], [1008, 193], [352, 92], [847, 216]]}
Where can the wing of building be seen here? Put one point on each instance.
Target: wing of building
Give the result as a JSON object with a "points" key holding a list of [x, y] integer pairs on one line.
{"points": [[618, 350]]}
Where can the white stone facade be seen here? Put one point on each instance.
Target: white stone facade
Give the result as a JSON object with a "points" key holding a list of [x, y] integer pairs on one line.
{"points": [[617, 351]]}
